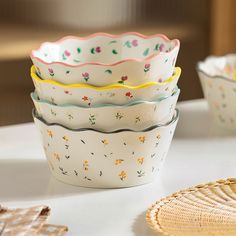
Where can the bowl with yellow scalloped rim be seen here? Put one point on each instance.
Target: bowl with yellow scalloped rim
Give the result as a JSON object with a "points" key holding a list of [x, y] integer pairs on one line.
{"points": [[88, 95]]}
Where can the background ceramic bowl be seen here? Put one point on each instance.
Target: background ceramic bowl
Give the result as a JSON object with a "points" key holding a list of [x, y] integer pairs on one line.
{"points": [[220, 93], [224, 66], [87, 95], [135, 116], [103, 59], [105, 160]]}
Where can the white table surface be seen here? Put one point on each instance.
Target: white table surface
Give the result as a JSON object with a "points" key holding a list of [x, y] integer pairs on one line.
{"points": [[199, 153]]}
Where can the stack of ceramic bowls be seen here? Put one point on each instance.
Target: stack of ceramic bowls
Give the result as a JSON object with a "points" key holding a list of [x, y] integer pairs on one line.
{"points": [[105, 106], [218, 79]]}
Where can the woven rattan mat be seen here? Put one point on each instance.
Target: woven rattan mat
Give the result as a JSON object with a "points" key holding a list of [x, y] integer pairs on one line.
{"points": [[203, 210]]}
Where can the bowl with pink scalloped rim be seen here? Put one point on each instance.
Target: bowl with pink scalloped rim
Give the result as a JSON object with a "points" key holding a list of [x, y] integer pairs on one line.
{"points": [[103, 59]]}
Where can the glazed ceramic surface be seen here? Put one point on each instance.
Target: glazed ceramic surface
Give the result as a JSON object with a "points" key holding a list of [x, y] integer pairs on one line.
{"points": [[103, 59], [224, 66], [220, 93], [105, 160], [87, 95], [135, 115]]}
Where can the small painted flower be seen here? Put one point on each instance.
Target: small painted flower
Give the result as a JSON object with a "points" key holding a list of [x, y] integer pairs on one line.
{"points": [[65, 138], [86, 165], [160, 80], [98, 49], [70, 117], [128, 44], [105, 141], [140, 160], [85, 76], [118, 161], [129, 94], [92, 119], [161, 48], [135, 42], [137, 119], [53, 113], [67, 53], [122, 175], [50, 134], [51, 72], [123, 79], [140, 173], [85, 98], [142, 139], [56, 156], [147, 67], [119, 116]]}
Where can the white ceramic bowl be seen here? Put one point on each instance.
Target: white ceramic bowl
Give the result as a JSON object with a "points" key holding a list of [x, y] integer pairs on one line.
{"points": [[219, 89], [103, 59], [105, 160], [135, 115], [87, 95], [223, 66]]}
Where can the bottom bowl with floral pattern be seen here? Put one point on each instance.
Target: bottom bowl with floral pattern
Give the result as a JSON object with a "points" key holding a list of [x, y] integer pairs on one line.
{"points": [[90, 158]]}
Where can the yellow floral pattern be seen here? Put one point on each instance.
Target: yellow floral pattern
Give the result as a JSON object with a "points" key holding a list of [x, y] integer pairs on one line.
{"points": [[50, 134], [122, 175], [65, 138], [90, 160], [56, 156], [142, 139], [86, 165], [105, 141], [118, 161], [140, 160]]}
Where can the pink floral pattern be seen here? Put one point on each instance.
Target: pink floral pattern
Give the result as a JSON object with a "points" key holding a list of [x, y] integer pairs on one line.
{"points": [[98, 49], [51, 72], [147, 67], [85, 76], [67, 53], [123, 79], [135, 42]]}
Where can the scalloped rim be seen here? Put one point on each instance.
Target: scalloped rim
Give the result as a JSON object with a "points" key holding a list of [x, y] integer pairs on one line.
{"points": [[154, 225], [176, 45], [33, 74], [198, 67], [173, 120], [34, 95]]}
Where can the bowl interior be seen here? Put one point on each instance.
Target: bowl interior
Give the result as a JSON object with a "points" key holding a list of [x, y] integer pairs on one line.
{"points": [[103, 48], [224, 66]]}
